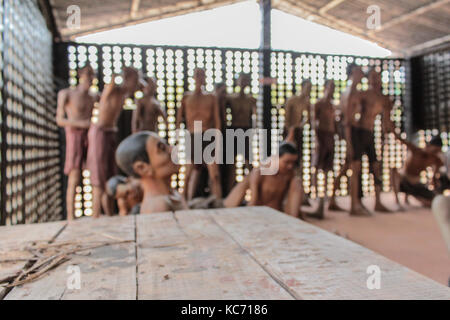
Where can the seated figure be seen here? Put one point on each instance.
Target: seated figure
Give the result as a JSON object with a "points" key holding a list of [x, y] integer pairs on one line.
{"points": [[147, 157], [127, 192]]}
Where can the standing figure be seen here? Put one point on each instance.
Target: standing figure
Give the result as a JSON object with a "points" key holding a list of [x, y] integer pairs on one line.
{"points": [[202, 109], [74, 114], [298, 113], [103, 138], [372, 104], [326, 127], [148, 110], [243, 107], [222, 98], [349, 104]]}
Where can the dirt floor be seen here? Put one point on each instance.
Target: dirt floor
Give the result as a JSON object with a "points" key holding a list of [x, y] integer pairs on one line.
{"points": [[410, 237]]}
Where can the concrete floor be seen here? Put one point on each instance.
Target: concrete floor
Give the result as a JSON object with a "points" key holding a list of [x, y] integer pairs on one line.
{"points": [[411, 237]]}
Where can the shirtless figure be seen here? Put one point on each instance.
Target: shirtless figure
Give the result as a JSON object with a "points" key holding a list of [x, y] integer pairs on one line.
{"points": [[147, 157], [199, 106], [283, 190], [372, 104], [74, 114], [296, 108], [419, 160], [349, 102], [325, 126], [148, 110], [127, 192], [243, 107], [103, 138]]}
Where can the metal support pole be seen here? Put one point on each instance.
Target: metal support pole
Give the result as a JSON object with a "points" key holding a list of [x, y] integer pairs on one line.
{"points": [[265, 7]]}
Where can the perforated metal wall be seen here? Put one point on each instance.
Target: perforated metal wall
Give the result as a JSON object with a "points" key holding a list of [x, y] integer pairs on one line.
{"points": [[173, 68], [31, 164]]}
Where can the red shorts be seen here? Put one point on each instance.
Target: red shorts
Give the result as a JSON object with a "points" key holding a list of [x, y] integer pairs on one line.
{"points": [[76, 148], [101, 155]]}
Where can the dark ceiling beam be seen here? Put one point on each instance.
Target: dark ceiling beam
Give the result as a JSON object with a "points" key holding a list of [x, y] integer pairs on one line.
{"points": [[47, 12]]}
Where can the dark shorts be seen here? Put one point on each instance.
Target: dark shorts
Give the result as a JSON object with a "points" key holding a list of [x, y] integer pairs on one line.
{"points": [[363, 142], [325, 158], [417, 190], [76, 149], [101, 155], [247, 144], [197, 160]]}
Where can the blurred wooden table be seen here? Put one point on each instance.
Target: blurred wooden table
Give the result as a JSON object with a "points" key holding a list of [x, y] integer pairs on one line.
{"points": [[243, 253]]}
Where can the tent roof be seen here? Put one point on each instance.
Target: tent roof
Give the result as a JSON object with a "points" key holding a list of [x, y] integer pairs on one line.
{"points": [[407, 26]]}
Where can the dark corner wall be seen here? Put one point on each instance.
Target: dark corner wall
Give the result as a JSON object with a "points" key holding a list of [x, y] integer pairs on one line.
{"points": [[31, 180], [430, 91]]}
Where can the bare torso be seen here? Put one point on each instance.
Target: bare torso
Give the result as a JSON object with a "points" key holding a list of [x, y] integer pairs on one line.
{"points": [[273, 190], [296, 106], [110, 107], [372, 104], [200, 107], [77, 104], [326, 115], [242, 108], [350, 105], [148, 111]]}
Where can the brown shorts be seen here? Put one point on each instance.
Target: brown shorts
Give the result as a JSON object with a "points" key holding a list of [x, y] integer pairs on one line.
{"points": [[199, 158], [76, 149], [101, 155], [325, 149]]}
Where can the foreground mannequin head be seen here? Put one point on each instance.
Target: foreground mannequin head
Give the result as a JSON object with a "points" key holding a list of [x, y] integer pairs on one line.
{"points": [[150, 87], [243, 81], [145, 155], [374, 78], [306, 87]]}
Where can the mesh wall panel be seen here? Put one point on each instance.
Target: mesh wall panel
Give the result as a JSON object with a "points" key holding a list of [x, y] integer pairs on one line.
{"points": [[31, 168]]}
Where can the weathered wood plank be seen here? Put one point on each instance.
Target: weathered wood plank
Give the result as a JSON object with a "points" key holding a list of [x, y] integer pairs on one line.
{"points": [[188, 256], [107, 273], [14, 238], [316, 264]]}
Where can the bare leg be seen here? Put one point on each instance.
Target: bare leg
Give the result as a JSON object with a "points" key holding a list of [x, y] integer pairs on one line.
{"points": [[333, 204], [72, 183], [356, 206], [214, 176], [376, 169], [192, 183], [97, 202], [107, 204], [395, 183], [237, 194]]}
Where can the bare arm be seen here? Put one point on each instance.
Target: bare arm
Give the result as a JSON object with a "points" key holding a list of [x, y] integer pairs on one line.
{"points": [[255, 181], [217, 122], [294, 198], [181, 111], [135, 121]]}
